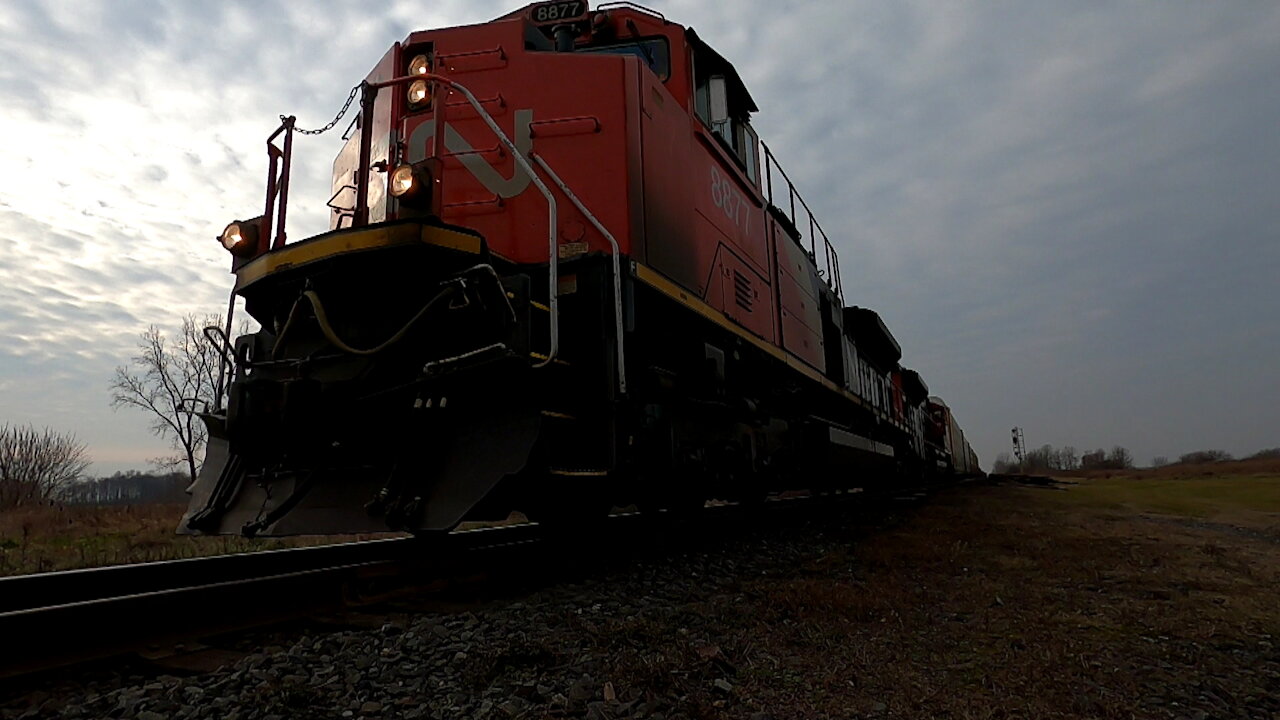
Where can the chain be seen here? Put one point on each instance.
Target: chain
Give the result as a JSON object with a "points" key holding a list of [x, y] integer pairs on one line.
{"points": [[345, 107]]}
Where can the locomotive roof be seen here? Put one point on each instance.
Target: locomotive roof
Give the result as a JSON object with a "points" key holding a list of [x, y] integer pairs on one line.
{"points": [[741, 97], [872, 337], [719, 63], [913, 385]]}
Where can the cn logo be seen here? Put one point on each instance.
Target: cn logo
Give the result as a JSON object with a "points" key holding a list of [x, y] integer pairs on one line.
{"points": [[484, 172]]}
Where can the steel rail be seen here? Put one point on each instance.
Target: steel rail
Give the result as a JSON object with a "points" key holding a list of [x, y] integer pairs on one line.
{"points": [[61, 618], [50, 620], [25, 592]]}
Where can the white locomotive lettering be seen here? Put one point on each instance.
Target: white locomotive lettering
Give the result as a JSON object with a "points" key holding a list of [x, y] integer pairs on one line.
{"points": [[729, 200]]}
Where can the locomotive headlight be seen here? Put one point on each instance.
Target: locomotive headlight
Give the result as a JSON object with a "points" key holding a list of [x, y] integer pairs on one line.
{"points": [[420, 65], [402, 181], [412, 186], [240, 238], [419, 93]]}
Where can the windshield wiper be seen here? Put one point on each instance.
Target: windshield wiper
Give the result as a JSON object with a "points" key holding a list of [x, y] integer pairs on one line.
{"points": [[644, 47]]}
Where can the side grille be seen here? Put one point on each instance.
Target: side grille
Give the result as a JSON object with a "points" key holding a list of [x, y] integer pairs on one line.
{"points": [[742, 292]]}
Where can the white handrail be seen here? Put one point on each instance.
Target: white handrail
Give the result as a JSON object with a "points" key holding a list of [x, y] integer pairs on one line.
{"points": [[617, 266], [553, 279]]}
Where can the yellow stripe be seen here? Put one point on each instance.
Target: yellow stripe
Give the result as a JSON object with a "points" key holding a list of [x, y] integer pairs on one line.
{"points": [[534, 303], [340, 242], [651, 278], [540, 356], [580, 473]]}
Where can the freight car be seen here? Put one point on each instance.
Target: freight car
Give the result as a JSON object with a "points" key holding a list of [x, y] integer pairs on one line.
{"points": [[563, 274]]}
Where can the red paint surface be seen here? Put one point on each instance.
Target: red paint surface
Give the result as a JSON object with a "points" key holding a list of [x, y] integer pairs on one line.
{"points": [[630, 147]]}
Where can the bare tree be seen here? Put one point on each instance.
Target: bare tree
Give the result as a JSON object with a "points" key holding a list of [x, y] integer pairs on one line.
{"points": [[1119, 458], [168, 380], [1200, 457], [128, 488], [36, 464], [1044, 459], [1047, 458], [1094, 460], [1004, 464], [1159, 461], [1070, 459]]}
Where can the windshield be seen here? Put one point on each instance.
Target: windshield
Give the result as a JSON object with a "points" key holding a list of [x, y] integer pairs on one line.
{"points": [[652, 50]]}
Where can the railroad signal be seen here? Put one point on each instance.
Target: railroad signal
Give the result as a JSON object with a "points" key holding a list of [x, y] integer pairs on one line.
{"points": [[1019, 445]]}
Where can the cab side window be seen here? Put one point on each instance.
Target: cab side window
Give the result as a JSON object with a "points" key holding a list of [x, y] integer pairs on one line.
{"points": [[724, 114], [748, 153]]}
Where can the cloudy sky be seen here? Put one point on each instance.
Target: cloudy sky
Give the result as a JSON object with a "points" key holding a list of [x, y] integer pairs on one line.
{"points": [[1068, 213]]}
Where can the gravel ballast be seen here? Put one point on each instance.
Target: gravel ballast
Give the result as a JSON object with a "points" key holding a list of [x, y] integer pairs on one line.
{"points": [[982, 603]]}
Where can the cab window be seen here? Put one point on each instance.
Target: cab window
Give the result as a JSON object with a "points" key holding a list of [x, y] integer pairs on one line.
{"points": [[724, 112], [653, 51]]}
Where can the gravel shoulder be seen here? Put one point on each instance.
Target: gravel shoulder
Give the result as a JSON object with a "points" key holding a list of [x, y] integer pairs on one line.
{"points": [[984, 602]]}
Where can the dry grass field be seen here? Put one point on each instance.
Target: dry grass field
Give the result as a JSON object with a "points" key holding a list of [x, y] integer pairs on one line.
{"points": [[1151, 594], [1147, 595], [46, 538]]}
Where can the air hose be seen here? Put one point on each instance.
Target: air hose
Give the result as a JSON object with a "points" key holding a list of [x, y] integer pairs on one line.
{"points": [[325, 327]]}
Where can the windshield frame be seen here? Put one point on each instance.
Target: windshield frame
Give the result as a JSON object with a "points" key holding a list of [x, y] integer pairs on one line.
{"points": [[659, 46]]}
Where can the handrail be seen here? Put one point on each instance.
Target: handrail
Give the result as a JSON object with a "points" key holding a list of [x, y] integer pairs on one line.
{"points": [[617, 268], [278, 186], [369, 92], [553, 254], [831, 260], [633, 6]]}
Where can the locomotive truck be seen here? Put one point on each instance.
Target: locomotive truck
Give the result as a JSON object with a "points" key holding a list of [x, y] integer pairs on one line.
{"points": [[562, 274]]}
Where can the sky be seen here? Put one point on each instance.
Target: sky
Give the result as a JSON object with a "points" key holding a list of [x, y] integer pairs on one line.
{"points": [[1068, 213]]}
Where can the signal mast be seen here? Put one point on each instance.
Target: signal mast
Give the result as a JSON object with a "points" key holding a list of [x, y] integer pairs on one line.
{"points": [[1019, 446]]}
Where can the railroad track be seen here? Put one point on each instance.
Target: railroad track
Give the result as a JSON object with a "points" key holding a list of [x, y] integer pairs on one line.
{"points": [[62, 618], [49, 620]]}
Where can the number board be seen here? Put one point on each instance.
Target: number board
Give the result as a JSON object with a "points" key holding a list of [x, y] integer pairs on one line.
{"points": [[555, 13]]}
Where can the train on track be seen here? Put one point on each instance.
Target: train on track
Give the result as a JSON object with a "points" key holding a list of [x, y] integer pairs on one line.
{"points": [[563, 274]]}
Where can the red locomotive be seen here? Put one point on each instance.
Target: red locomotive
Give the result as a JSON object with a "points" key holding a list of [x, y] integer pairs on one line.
{"points": [[599, 289]]}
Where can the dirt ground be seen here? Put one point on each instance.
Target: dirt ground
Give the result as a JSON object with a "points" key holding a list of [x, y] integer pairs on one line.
{"points": [[1141, 596]]}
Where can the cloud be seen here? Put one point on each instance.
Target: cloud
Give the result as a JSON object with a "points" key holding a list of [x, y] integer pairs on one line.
{"points": [[1066, 212], [139, 129]]}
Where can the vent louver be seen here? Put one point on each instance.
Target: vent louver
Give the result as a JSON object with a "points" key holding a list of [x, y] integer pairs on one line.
{"points": [[742, 292]]}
